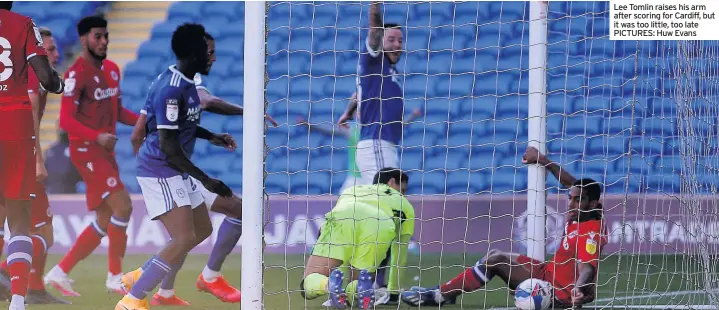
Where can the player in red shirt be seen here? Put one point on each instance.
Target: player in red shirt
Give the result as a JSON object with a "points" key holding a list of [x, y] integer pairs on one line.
{"points": [[20, 44], [41, 218], [91, 108], [573, 269]]}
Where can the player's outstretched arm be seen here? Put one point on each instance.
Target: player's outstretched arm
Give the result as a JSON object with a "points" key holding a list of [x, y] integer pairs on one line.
{"points": [[349, 111], [48, 77], [325, 130], [138, 133], [170, 145], [126, 116], [223, 139], [217, 105], [532, 156], [376, 31]]}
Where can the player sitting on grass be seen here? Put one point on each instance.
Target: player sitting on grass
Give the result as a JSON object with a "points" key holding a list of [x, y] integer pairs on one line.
{"points": [[573, 270], [366, 221]]}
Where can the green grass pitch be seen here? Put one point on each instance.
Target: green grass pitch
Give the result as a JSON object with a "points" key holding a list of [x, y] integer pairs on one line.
{"points": [[627, 279]]}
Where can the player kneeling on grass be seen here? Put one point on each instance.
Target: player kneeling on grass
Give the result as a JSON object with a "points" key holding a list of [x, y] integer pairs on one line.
{"points": [[366, 221], [573, 270]]}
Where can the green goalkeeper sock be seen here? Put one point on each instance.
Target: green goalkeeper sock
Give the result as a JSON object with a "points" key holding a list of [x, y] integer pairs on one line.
{"points": [[351, 291], [314, 285]]}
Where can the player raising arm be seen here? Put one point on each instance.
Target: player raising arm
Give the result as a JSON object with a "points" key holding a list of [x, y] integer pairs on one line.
{"points": [[366, 221], [21, 43], [91, 107], [572, 271], [164, 166], [379, 97]]}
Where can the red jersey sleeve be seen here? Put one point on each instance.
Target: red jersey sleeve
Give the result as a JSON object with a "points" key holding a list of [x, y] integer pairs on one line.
{"points": [[590, 243], [74, 87], [33, 41], [33, 85]]}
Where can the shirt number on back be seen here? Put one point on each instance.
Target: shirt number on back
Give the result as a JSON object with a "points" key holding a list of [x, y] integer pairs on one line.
{"points": [[5, 59]]}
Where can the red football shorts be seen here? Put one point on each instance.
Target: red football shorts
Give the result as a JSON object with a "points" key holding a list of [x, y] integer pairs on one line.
{"points": [[539, 270], [17, 169], [99, 170], [41, 214]]}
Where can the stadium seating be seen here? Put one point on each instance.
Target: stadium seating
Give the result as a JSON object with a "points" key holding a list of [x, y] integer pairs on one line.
{"points": [[462, 68]]}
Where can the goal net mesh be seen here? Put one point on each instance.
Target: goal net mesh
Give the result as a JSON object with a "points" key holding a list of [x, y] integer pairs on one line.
{"points": [[639, 117]]}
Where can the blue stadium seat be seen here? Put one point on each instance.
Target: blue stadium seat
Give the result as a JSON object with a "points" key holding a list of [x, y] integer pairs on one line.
{"points": [[570, 146], [276, 183], [188, 10], [658, 126], [229, 49], [145, 68], [220, 9], [634, 165], [668, 165], [154, 48], [607, 145]]}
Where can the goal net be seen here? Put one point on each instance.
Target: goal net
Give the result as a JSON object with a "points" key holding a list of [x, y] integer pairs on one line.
{"points": [[640, 117]]}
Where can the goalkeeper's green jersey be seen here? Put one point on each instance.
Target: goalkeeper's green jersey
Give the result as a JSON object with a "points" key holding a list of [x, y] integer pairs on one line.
{"points": [[389, 200], [396, 206]]}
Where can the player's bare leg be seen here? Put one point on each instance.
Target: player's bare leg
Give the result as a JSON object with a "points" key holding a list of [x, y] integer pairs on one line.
{"points": [[497, 263], [180, 225], [19, 249]]}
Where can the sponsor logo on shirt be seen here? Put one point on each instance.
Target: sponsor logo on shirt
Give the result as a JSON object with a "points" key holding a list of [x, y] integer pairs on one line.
{"points": [[101, 94], [172, 110], [114, 75], [193, 114], [70, 83], [97, 79], [591, 246], [111, 182]]}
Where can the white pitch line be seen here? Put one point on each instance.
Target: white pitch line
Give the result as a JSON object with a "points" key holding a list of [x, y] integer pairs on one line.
{"points": [[654, 295]]}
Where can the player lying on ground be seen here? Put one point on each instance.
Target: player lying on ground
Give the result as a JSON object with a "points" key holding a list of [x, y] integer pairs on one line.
{"points": [[230, 230], [573, 270], [41, 230], [366, 221], [352, 134], [164, 166], [23, 48], [91, 107]]}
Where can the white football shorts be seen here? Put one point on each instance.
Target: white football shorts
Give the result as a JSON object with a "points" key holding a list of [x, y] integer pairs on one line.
{"points": [[163, 194], [373, 155]]}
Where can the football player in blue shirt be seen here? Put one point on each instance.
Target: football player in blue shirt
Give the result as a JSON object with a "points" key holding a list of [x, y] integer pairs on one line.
{"points": [[380, 98], [164, 166], [230, 230]]}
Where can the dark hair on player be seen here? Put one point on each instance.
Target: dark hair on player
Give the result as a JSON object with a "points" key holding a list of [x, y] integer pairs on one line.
{"points": [[209, 37], [6, 5], [45, 32], [87, 23], [593, 191], [187, 40], [385, 174], [392, 26]]}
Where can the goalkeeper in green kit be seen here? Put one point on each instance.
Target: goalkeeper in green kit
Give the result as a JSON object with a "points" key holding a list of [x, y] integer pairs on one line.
{"points": [[366, 221]]}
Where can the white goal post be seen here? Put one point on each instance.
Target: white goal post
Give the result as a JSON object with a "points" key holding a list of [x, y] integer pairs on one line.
{"points": [[253, 159], [536, 186]]}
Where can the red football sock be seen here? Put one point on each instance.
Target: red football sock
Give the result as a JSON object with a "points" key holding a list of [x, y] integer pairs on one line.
{"points": [[87, 242], [39, 258], [20, 252], [467, 281], [116, 231]]}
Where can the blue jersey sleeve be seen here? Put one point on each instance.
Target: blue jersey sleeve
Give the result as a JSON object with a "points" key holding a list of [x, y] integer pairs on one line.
{"points": [[167, 108], [370, 61], [201, 84]]}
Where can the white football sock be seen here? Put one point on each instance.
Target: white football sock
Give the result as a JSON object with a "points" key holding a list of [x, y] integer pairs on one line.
{"points": [[210, 275]]}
